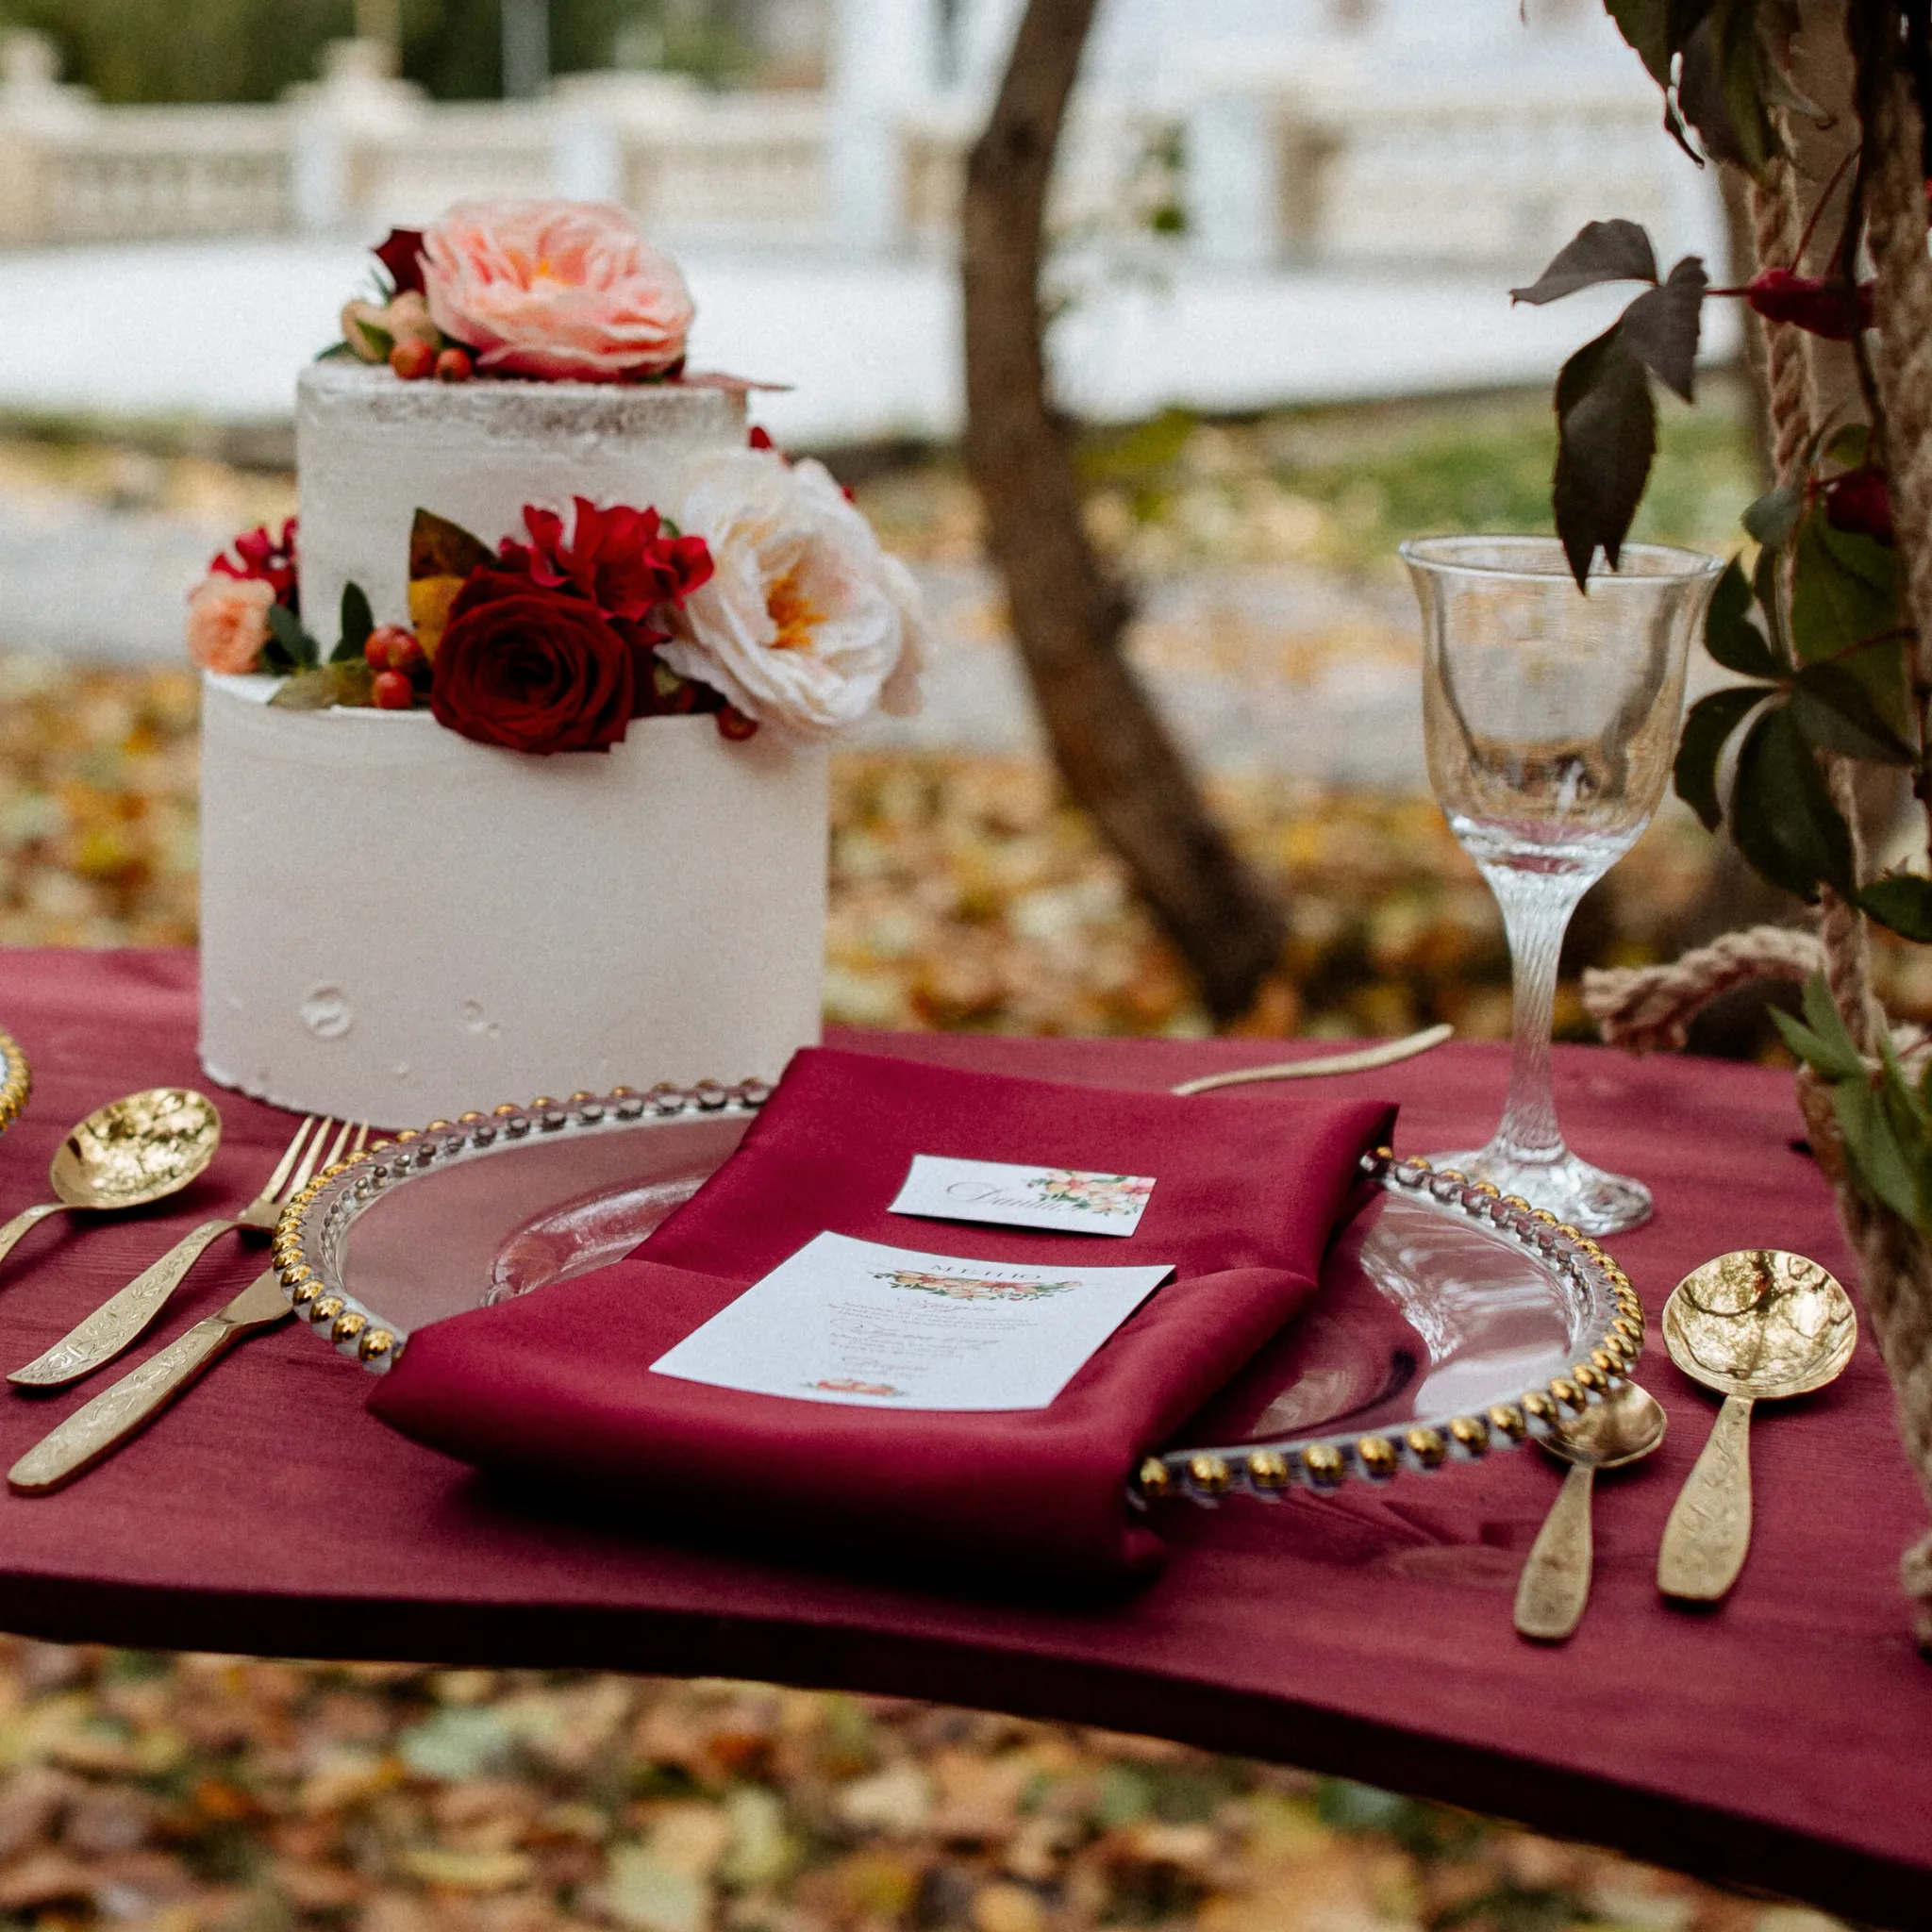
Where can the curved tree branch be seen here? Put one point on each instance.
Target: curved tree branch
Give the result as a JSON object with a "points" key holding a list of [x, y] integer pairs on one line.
{"points": [[1114, 753]]}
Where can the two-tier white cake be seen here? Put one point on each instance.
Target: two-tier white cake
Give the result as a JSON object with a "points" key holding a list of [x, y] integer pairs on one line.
{"points": [[399, 923]]}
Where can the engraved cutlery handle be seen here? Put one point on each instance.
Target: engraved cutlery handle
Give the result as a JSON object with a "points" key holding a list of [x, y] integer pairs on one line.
{"points": [[119, 1411], [1555, 1584], [1710, 1529], [27, 1218], [119, 1319]]}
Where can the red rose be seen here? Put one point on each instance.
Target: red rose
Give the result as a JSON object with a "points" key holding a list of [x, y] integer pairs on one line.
{"points": [[402, 255], [532, 669], [623, 560]]}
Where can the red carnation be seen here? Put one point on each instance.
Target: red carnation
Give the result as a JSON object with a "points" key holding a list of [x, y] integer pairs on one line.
{"points": [[531, 668], [401, 257], [268, 560], [621, 559], [1816, 304]]}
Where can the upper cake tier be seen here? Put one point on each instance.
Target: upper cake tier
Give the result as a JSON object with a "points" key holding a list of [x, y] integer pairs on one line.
{"points": [[371, 450]]}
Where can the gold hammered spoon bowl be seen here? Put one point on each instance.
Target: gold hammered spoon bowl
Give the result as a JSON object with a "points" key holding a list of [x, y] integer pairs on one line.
{"points": [[1757, 1326], [138, 1149], [1627, 1425]]}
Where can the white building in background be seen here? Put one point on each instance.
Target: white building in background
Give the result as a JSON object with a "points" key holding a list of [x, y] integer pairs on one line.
{"points": [[1247, 133]]}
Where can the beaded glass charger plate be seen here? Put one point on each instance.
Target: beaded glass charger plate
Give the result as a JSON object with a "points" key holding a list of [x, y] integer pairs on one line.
{"points": [[1449, 1321]]}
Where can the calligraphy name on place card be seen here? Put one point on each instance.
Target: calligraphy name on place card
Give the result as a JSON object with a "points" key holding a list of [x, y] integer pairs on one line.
{"points": [[1002, 1193], [847, 1321]]}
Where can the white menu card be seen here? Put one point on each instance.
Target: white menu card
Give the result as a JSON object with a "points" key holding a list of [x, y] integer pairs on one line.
{"points": [[847, 1321]]}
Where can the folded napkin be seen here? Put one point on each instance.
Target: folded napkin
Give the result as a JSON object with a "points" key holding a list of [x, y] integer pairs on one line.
{"points": [[557, 1384]]}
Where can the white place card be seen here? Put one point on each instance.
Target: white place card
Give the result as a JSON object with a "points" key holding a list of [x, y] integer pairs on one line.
{"points": [[854, 1322], [1008, 1195]]}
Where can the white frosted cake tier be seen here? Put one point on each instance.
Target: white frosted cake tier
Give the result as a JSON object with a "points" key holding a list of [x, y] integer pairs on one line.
{"points": [[399, 924], [371, 451]]}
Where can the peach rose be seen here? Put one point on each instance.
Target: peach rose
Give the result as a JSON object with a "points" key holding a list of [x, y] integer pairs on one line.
{"points": [[566, 289], [227, 622]]}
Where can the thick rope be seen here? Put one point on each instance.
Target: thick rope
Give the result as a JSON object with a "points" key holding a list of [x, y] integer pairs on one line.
{"points": [[1649, 1008], [1776, 234], [1896, 1260]]}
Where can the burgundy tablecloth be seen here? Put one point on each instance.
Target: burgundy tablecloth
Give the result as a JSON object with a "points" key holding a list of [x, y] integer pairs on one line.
{"points": [[1785, 1740]]}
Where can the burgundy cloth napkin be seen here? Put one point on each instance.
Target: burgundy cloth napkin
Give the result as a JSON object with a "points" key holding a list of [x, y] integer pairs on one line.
{"points": [[557, 1384]]}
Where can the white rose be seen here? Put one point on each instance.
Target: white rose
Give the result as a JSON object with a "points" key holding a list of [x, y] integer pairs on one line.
{"points": [[805, 622]]}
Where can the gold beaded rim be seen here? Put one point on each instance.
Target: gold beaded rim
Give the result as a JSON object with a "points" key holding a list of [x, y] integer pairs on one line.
{"points": [[1270, 1470], [308, 1239], [16, 1081]]}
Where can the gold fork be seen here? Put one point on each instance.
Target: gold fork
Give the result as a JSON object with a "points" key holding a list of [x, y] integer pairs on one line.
{"points": [[121, 1319]]}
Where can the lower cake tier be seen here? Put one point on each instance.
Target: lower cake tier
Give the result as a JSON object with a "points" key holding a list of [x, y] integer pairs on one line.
{"points": [[399, 925]]}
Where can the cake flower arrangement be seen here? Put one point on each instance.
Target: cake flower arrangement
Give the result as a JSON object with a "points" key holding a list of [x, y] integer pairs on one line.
{"points": [[759, 595]]}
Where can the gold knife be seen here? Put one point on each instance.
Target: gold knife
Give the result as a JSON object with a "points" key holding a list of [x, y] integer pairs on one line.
{"points": [[118, 1412]]}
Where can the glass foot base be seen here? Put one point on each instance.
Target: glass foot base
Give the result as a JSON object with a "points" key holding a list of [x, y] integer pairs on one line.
{"points": [[1574, 1190]]}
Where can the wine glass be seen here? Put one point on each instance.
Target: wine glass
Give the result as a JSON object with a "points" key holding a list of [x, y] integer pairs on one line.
{"points": [[1551, 721]]}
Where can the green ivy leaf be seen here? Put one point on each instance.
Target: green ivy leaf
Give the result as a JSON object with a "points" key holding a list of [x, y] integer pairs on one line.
{"points": [[357, 621], [1782, 816], [1730, 635], [1598, 252], [1645, 27], [1606, 438], [1775, 515], [1844, 590], [1901, 902], [1707, 728], [1836, 712], [1660, 327], [1849, 444]]}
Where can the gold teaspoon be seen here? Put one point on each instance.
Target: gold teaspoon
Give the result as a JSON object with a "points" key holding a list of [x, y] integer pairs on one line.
{"points": [[1757, 1326], [132, 1151], [1627, 1423]]}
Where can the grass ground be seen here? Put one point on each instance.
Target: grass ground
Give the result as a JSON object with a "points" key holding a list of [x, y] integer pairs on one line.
{"points": [[177, 1794]]}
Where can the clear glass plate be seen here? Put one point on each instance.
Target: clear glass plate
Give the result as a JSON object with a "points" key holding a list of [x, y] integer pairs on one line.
{"points": [[1449, 1321]]}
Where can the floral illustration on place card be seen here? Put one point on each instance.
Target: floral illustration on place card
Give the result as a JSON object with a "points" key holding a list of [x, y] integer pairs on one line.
{"points": [[1066, 1199], [973, 1288]]}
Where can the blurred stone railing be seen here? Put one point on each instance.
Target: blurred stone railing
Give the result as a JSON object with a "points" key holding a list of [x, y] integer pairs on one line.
{"points": [[1253, 173]]}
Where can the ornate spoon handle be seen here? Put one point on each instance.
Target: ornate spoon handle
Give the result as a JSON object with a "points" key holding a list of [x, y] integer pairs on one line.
{"points": [[106, 1422], [1710, 1529], [122, 1317], [1555, 1584], [27, 1218]]}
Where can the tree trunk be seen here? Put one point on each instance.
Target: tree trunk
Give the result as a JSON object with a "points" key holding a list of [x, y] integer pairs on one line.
{"points": [[1113, 752]]}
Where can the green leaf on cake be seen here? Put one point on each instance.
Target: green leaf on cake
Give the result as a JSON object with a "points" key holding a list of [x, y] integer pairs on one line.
{"points": [[322, 685], [357, 622], [439, 548], [289, 647]]}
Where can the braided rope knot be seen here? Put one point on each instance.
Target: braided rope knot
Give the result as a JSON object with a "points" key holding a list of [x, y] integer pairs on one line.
{"points": [[1649, 1008]]}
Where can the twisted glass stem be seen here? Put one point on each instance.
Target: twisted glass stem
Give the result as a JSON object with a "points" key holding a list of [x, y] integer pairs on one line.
{"points": [[1536, 914]]}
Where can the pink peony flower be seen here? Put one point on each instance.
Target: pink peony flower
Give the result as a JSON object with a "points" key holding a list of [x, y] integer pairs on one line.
{"points": [[565, 289], [227, 622]]}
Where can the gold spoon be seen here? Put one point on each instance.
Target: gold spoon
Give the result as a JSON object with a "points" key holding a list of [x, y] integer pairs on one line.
{"points": [[131, 1152], [1757, 1326], [1627, 1423]]}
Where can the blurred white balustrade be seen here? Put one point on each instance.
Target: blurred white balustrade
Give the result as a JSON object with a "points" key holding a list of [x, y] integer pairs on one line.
{"points": [[1271, 140]]}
